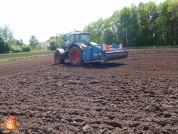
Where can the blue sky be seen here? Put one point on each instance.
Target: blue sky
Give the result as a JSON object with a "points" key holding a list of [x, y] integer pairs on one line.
{"points": [[45, 18]]}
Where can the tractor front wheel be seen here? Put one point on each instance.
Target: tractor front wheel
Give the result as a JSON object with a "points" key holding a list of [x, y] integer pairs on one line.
{"points": [[57, 58], [76, 56]]}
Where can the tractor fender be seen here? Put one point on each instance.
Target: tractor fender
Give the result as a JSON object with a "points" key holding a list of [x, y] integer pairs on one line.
{"points": [[78, 45], [62, 52]]}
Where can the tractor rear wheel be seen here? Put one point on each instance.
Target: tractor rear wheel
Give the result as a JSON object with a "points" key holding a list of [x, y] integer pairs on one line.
{"points": [[76, 56], [57, 58]]}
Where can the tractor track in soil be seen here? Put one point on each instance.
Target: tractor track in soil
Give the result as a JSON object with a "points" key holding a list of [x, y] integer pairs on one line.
{"points": [[135, 95]]}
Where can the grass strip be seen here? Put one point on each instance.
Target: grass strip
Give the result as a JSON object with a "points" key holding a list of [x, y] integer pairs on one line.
{"points": [[19, 58]]}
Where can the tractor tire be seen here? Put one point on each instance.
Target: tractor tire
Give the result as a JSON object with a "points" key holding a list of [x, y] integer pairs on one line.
{"points": [[76, 56], [57, 58]]}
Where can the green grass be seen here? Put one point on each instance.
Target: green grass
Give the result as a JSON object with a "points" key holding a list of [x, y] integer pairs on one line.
{"points": [[40, 51], [31, 52], [24, 57]]}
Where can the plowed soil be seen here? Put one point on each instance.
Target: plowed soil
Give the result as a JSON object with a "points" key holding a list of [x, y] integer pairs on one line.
{"points": [[136, 95]]}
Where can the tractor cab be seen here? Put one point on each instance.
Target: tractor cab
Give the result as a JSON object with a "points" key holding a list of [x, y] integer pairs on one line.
{"points": [[76, 37]]}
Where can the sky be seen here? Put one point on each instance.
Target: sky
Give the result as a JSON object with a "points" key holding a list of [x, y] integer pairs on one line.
{"points": [[46, 18]]}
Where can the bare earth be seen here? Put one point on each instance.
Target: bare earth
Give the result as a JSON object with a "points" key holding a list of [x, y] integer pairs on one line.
{"points": [[136, 95]]}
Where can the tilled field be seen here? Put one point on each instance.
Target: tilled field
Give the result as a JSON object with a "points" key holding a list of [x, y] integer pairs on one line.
{"points": [[137, 95]]}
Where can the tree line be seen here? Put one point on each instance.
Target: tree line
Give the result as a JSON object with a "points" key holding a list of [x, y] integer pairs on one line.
{"points": [[9, 44], [147, 24]]}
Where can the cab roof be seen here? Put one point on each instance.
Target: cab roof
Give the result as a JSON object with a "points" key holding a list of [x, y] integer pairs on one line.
{"points": [[79, 32]]}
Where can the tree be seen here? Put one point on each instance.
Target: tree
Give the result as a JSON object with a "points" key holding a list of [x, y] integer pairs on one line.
{"points": [[115, 25], [33, 42], [4, 48], [7, 34], [21, 42], [173, 21], [133, 27], [163, 22], [52, 46], [107, 36], [147, 24], [96, 30], [56, 41]]}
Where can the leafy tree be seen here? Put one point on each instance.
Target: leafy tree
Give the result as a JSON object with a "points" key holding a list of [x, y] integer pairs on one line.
{"points": [[163, 23], [55, 42], [115, 24], [38, 46], [124, 25], [26, 48], [173, 20], [20, 42], [52, 46], [7, 34], [33, 42], [133, 27], [107, 36], [96, 28], [4, 48], [16, 49], [147, 24]]}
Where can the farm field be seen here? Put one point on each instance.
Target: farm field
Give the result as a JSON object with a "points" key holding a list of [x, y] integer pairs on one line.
{"points": [[136, 95]]}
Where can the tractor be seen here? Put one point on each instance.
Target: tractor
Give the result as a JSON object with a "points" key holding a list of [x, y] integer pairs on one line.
{"points": [[78, 49]]}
